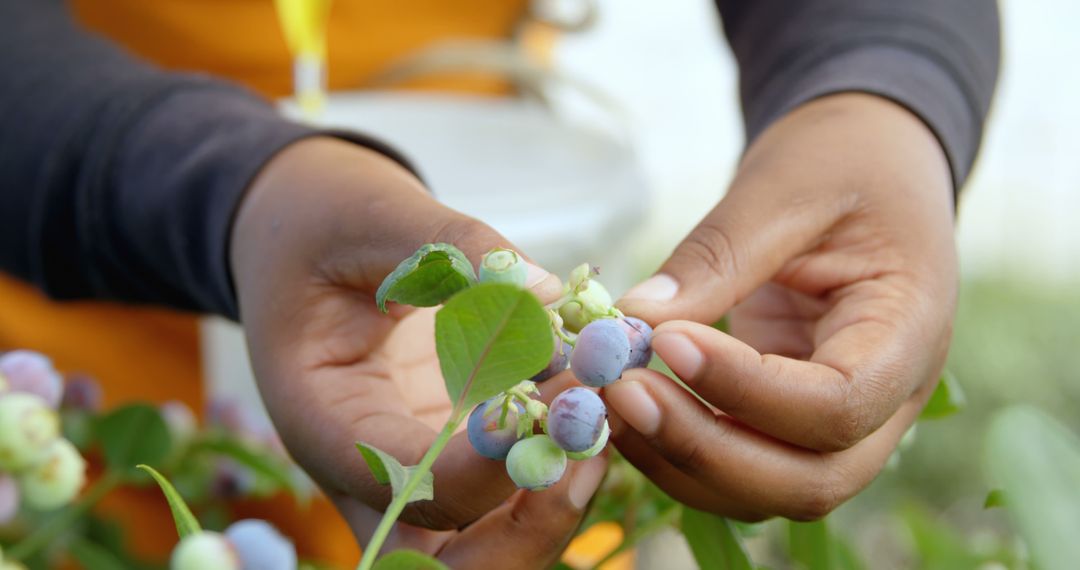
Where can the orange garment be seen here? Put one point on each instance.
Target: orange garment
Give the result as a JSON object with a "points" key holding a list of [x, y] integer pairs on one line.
{"points": [[153, 355]]}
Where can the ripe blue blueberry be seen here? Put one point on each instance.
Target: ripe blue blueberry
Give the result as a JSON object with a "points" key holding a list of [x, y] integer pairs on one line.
{"points": [[260, 546], [597, 447], [485, 435], [576, 419], [81, 392], [640, 335], [560, 359], [600, 353], [33, 373], [536, 463]]}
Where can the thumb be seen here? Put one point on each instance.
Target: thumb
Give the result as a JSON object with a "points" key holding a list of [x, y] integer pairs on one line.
{"points": [[743, 242]]}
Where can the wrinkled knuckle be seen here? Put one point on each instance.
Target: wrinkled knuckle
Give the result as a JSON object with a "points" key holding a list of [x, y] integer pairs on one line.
{"points": [[816, 502], [691, 457], [713, 247], [846, 427], [546, 533]]}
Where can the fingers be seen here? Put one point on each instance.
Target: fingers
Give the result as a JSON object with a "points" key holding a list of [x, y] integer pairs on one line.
{"points": [[738, 471], [871, 354], [531, 529], [763, 222]]}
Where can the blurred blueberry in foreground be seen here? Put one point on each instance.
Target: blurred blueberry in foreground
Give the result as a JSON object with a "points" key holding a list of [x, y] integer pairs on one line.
{"points": [[33, 373], [260, 546]]}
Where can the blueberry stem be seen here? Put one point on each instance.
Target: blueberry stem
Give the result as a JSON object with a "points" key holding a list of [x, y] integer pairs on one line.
{"points": [[393, 511]]}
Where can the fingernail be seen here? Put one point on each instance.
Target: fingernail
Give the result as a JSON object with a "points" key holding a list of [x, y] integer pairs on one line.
{"points": [[586, 481], [679, 353], [659, 287], [534, 275], [635, 405]]}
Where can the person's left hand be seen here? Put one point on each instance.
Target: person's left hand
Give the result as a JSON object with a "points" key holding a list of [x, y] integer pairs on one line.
{"points": [[833, 256]]}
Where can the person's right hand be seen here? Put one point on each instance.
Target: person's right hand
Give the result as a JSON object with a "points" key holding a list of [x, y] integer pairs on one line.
{"points": [[321, 227]]}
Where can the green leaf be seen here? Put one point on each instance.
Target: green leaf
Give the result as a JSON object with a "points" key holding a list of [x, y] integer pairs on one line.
{"points": [[947, 399], [409, 560], [1036, 462], [261, 463], [186, 523], [95, 557], [937, 546], [808, 544], [427, 278], [995, 498], [387, 469], [489, 338], [131, 435], [715, 541]]}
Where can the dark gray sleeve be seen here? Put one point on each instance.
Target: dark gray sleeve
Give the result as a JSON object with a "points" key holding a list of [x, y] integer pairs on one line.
{"points": [[938, 58], [119, 180]]}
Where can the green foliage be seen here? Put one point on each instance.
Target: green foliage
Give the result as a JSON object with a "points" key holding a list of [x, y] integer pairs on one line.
{"points": [[808, 545], [186, 523], [427, 278], [131, 435], [937, 545], [409, 560], [1037, 462], [260, 462], [388, 470], [488, 339], [95, 557], [715, 541], [995, 498], [947, 399]]}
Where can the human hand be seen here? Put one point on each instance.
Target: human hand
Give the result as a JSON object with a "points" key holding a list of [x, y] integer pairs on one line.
{"points": [[321, 227], [833, 256]]}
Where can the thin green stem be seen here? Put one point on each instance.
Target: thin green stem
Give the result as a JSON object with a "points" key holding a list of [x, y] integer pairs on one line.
{"points": [[47, 533], [393, 511]]}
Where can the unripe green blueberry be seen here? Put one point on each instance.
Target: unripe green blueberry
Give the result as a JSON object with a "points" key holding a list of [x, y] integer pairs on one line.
{"points": [[27, 426], [56, 478], [596, 448], [590, 304], [204, 551], [503, 266], [11, 565], [535, 463]]}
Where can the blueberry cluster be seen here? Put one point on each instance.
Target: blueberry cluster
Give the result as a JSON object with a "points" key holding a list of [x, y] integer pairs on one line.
{"points": [[249, 544], [38, 467], [597, 343]]}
